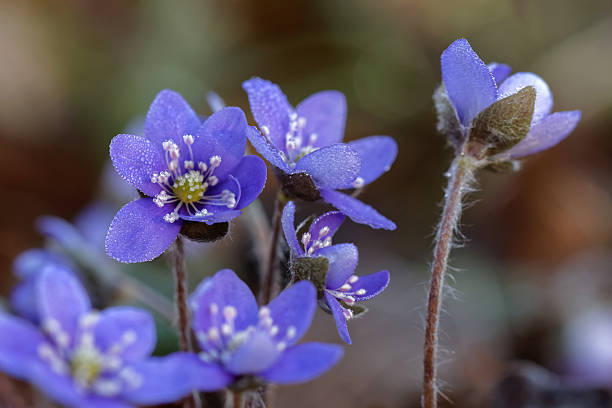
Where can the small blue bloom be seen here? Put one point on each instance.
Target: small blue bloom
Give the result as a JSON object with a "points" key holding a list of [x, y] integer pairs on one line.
{"points": [[84, 358], [342, 287], [27, 267], [190, 171], [241, 340], [472, 86], [308, 140]]}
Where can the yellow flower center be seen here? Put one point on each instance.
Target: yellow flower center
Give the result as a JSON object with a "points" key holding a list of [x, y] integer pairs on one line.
{"points": [[189, 188]]}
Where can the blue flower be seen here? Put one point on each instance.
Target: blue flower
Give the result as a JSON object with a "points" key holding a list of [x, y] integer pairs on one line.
{"points": [[342, 288], [190, 171], [472, 86], [27, 268], [84, 358], [307, 140], [245, 342]]}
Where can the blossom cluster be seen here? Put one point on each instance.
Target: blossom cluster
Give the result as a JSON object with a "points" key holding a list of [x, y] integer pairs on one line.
{"points": [[190, 177]]}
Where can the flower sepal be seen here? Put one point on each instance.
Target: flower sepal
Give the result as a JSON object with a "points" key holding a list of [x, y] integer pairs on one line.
{"points": [[247, 383], [504, 166], [202, 232], [357, 310], [448, 123], [313, 269], [503, 124], [298, 185]]}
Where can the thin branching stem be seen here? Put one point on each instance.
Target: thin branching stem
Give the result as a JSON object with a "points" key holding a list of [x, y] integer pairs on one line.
{"points": [[459, 177]]}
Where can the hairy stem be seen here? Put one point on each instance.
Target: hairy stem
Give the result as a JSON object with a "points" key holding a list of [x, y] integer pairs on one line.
{"points": [[460, 173], [270, 284], [182, 310]]}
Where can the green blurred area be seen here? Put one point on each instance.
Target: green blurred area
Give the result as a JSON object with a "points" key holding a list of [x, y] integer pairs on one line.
{"points": [[75, 73]]}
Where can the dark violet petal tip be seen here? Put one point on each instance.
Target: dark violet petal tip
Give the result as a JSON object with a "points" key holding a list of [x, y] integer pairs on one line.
{"points": [[468, 81]]}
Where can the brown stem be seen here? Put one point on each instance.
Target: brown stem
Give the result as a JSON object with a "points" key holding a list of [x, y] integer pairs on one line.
{"points": [[182, 310], [460, 174], [270, 284]]}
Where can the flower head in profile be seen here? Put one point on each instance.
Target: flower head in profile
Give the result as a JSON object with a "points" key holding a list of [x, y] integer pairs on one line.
{"points": [[80, 357], [190, 171], [507, 116], [254, 344], [339, 288], [305, 147]]}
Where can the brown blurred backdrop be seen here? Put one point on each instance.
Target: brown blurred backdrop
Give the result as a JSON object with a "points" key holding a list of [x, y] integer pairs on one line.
{"points": [[538, 259]]}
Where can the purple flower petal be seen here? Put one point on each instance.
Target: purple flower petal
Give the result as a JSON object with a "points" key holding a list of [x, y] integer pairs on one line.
{"points": [[499, 71], [303, 363], [251, 173], [343, 260], [31, 262], [60, 230], [544, 100], [170, 378], [94, 401], [225, 294], [131, 328], [139, 233], [331, 221], [356, 210], [331, 167], [270, 152], [270, 108], [136, 159], [338, 314], [215, 102], [223, 134], [288, 223], [377, 155], [23, 300], [325, 114], [217, 216], [373, 284], [62, 301], [468, 81], [92, 223], [256, 354], [19, 346], [292, 311], [59, 388], [545, 134], [170, 118]]}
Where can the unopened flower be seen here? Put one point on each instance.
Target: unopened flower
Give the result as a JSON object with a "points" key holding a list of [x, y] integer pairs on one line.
{"points": [[509, 115], [305, 147], [190, 171], [80, 357], [254, 344], [340, 287]]}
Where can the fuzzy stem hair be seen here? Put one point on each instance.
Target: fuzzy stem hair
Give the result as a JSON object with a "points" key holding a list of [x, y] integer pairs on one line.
{"points": [[459, 178]]}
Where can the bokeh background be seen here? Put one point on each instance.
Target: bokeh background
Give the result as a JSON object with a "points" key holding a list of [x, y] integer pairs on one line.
{"points": [[534, 280]]}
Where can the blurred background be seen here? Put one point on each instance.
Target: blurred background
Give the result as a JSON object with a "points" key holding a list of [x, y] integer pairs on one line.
{"points": [[533, 284]]}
